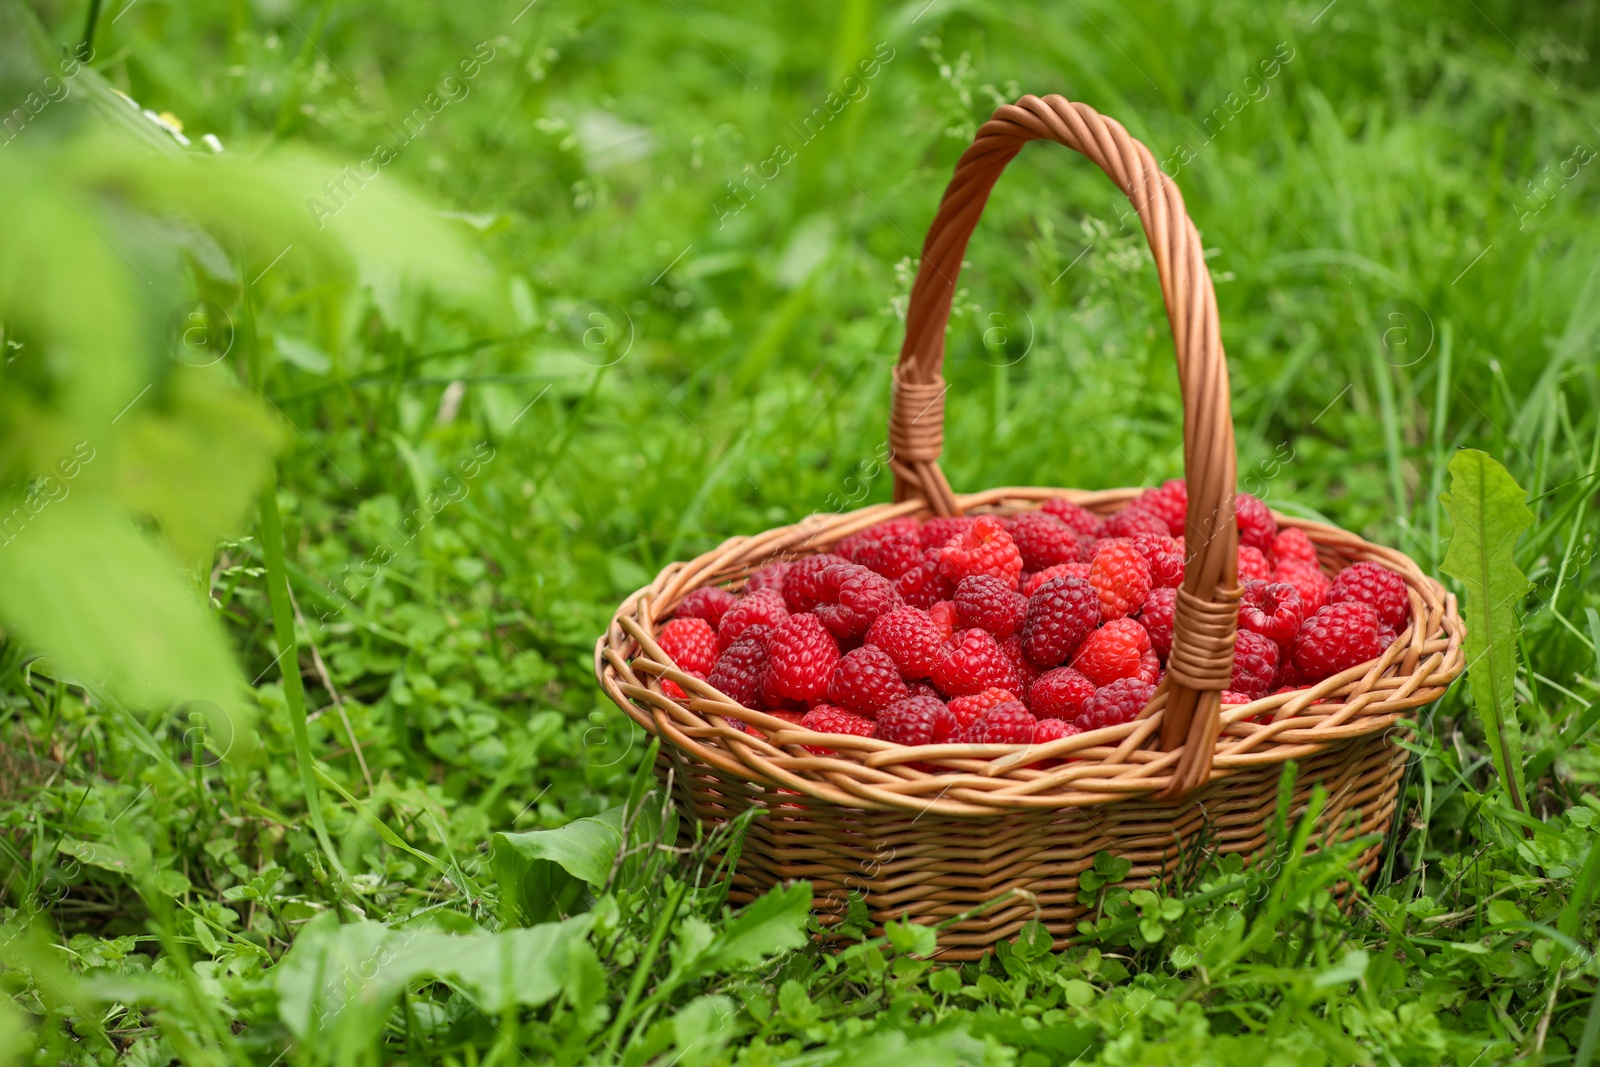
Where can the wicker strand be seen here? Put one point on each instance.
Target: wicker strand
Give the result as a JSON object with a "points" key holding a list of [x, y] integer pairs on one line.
{"points": [[1203, 642]]}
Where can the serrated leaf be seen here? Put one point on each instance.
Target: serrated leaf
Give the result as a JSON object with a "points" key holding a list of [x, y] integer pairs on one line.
{"points": [[909, 938], [1489, 512], [767, 925]]}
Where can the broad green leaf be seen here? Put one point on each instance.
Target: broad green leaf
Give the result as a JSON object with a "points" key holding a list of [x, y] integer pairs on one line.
{"points": [[1489, 513], [1352, 968], [83, 583], [913, 939], [341, 980], [764, 927], [542, 873]]}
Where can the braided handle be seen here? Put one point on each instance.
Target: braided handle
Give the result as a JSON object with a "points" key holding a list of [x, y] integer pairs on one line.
{"points": [[1201, 663]]}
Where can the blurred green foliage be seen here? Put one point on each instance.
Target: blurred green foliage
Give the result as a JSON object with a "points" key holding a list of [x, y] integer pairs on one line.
{"points": [[540, 298]]}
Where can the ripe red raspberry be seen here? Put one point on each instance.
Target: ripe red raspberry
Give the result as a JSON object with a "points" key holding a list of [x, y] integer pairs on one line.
{"points": [[937, 531], [917, 721], [675, 691], [1059, 694], [923, 689], [1165, 556], [1047, 730], [852, 597], [911, 637], [826, 719], [1157, 616], [1060, 615], [924, 585], [1112, 652], [1375, 584], [1255, 664], [1308, 581], [943, 615], [1043, 540], [1135, 520], [1121, 579], [1170, 501], [983, 548], [763, 607], [1252, 565], [768, 577], [1272, 609], [1257, 527], [802, 585], [1022, 672], [708, 602], [865, 680], [1004, 724], [1292, 544], [691, 643], [889, 548], [1113, 704], [1081, 519], [987, 603], [1149, 667], [1230, 697], [742, 668], [971, 663], [1033, 583], [1336, 638], [969, 709], [793, 718], [803, 655]]}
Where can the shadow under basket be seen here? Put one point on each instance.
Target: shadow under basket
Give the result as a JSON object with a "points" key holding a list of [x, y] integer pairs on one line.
{"points": [[932, 832]]}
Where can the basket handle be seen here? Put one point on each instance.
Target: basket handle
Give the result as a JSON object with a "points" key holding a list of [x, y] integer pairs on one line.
{"points": [[1201, 663]]}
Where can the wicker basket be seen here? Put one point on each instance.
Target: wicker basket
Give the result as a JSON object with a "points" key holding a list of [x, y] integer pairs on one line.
{"points": [[934, 831]]}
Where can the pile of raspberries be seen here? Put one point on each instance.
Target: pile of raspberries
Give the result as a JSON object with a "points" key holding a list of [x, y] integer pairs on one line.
{"points": [[1021, 629]]}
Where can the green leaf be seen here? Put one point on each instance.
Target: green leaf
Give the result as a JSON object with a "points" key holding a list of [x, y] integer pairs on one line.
{"points": [[1352, 968], [1489, 513], [913, 939], [542, 873], [766, 926]]}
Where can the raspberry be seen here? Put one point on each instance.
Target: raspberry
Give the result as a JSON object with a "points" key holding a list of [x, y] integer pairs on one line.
{"points": [[708, 602], [1170, 501], [763, 607], [1257, 527], [1252, 565], [802, 586], [937, 531], [1377, 585], [852, 597], [922, 689], [969, 709], [972, 663], [1156, 617], [1115, 703], [911, 637], [1273, 610], [1022, 672], [982, 548], [917, 721], [742, 668], [690, 643], [793, 718], [826, 719], [1308, 581], [1112, 652], [1047, 730], [1032, 583], [1059, 694], [803, 655], [889, 548], [1121, 578], [1135, 520], [865, 680], [1149, 667], [1043, 540], [1004, 724], [923, 585], [1336, 638], [675, 691], [1059, 617], [1255, 664], [943, 615], [1293, 544], [1165, 557], [769, 577], [1230, 697], [986, 602], [1081, 519]]}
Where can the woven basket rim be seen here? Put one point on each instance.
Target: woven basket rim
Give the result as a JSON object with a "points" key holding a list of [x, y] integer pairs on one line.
{"points": [[1114, 763]]}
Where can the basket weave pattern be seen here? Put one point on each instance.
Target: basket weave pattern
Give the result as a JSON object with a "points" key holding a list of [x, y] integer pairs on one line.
{"points": [[930, 832]]}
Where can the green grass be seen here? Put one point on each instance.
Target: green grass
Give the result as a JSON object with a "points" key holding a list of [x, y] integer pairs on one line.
{"points": [[648, 351]]}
